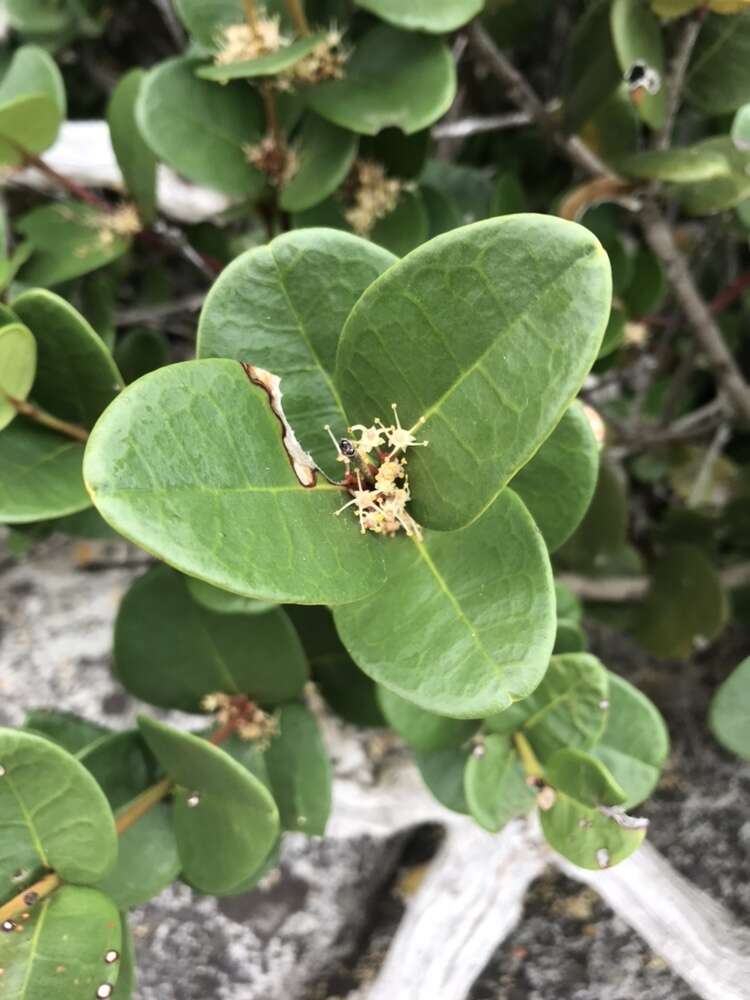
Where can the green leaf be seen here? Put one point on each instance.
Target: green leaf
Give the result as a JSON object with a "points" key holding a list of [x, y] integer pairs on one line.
{"points": [[720, 193], [568, 708], [205, 19], [148, 860], [558, 483], [300, 772], [76, 376], [729, 717], [681, 166], [569, 638], [443, 773], [324, 154], [470, 613], [122, 765], [635, 742], [63, 949], [265, 65], [603, 531], [636, 34], [210, 489], [282, 307], [648, 287], [424, 15], [140, 352], [442, 210], [392, 78], [222, 601], [569, 604], [126, 981], [487, 332], [346, 689], [403, 229], [423, 730], [41, 474], [591, 72], [53, 814], [32, 104], [588, 837], [718, 79], [171, 651], [69, 238], [583, 778], [69, 731], [685, 605], [225, 820], [494, 784], [134, 157], [17, 367], [508, 195], [201, 129]]}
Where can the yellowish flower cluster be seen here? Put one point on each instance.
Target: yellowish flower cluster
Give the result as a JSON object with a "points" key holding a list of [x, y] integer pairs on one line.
{"points": [[278, 162], [242, 716], [124, 221], [379, 484], [375, 196], [326, 62], [239, 42]]}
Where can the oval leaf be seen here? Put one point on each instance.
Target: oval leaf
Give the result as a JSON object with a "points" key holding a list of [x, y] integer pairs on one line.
{"points": [[53, 815], [487, 333], [282, 307], [17, 367], [423, 730], [225, 820], [41, 474], [171, 651], [494, 784], [324, 154], [588, 837], [471, 616], [222, 601], [300, 772], [730, 711], [557, 485], [393, 78], [583, 778], [210, 489], [134, 157], [718, 79], [424, 15], [636, 34], [61, 952], [265, 65]]}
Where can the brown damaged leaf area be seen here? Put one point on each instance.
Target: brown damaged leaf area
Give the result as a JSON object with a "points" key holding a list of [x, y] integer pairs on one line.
{"points": [[302, 463]]}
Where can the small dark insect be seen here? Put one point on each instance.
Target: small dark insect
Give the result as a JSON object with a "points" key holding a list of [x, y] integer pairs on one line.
{"points": [[347, 447], [30, 898], [642, 75]]}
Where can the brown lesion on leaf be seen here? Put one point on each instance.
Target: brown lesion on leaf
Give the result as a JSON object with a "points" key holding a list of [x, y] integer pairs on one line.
{"points": [[302, 463]]}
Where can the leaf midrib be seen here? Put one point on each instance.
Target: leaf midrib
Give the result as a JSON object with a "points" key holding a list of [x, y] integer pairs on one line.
{"points": [[29, 821], [34, 947]]}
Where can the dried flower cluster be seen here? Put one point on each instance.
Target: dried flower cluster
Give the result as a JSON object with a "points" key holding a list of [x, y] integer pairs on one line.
{"points": [[239, 42], [244, 717], [379, 484], [106, 226], [276, 160], [326, 62], [375, 196]]}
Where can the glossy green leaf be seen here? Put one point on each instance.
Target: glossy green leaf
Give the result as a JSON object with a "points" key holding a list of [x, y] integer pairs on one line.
{"points": [[588, 837], [134, 157], [32, 104], [470, 613], [122, 765], [76, 376], [423, 730], [210, 489], [718, 79], [201, 129], [140, 352], [41, 474], [282, 307], [300, 771], [424, 15], [148, 860], [679, 165], [265, 65], [568, 708], [685, 605], [69, 731], [486, 332], [17, 367], [443, 773], [392, 78], [495, 785], [69, 239], [324, 154], [722, 192], [225, 820], [62, 950], [223, 601], [636, 34], [635, 742], [558, 483], [53, 814], [172, 651], [583, 778], [729, 717], [348, 691]]}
